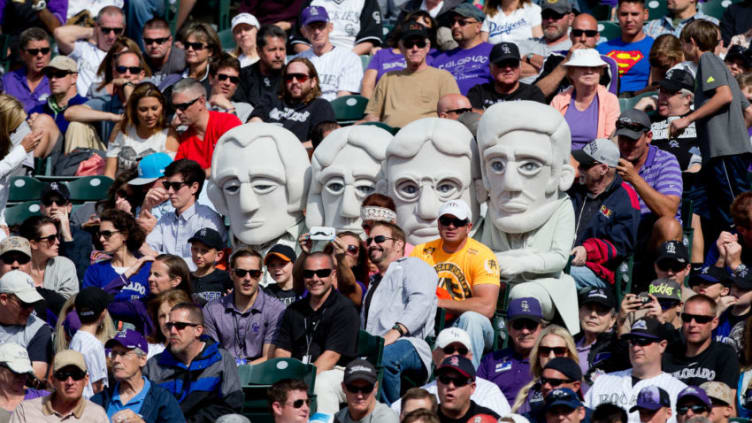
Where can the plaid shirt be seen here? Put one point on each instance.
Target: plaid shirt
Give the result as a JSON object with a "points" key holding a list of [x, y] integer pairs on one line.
{"points": [[665, 25]]}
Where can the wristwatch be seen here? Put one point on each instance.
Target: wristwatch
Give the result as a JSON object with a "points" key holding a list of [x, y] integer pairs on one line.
{"points": [[398, 327], [529, 56], [740, 271], [39, 6]]}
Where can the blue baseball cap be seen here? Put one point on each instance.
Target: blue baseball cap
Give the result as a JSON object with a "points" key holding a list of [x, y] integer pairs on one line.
{"points": [[562, 396], [694, 392], [151, 168], [524, 308], [313, 14], [129, 339], [651, 398]]}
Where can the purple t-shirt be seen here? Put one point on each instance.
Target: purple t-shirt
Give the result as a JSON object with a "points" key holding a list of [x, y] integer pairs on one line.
{"points": [[386, 60], [582, 124], [34, 393], [662, 172], [15, 84], [507, 369], [469, 67]]}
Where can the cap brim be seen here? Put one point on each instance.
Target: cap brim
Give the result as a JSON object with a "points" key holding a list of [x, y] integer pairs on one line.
{"points": [[141, 181], [637, 407], [456, 369], [316, 19], [564, 403], [526, 316], [20, 368], [672, 86], [641, 335], [112, 342], [505, 58], [276, 254], [29, 296], [629, 133], [583, 158]]}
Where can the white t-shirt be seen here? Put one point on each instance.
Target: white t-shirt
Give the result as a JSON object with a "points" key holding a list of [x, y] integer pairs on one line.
{"points": [[93, 6], [345, 15], [154, 349], [487, 394], [247, 61], [617, 388], [339, 69], [514, 27], [88, 56], [130, 148], [96, 363]]}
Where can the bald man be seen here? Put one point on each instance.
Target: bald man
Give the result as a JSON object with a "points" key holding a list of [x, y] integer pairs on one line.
{"points": [[451, 106], [584, 34]]}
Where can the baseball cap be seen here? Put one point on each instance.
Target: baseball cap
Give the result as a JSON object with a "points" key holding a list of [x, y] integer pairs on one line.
{"points": [[676, 79], [414, 30], [467, 10], [458, 208], [360, 369], [129, 339], [459, 364], [55, 189], [632, 123], [21, 285], [742, 279], [525, 307], [694, 392], [566, 366], [651, 398], [709, 275], [244, 18], [561, 7], [562, 396], [599, 150], [452, 335], [665, 288], [739, 52], [602, 296], [209, 237], [284, 252], [645, 327], [67, 358], [64, 63], [718, 391], [16, 358], [313, 14], [504, 51], [673, 250], [90, 302], [151, 168], [15, 243]]}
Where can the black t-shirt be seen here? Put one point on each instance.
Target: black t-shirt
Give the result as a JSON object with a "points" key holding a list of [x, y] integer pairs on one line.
{"points": [[483, 96], [474, 409], [718, 362], [257, 89], [287, 297], [298, 118], [334, 326], [685, 147], [210, 287]]}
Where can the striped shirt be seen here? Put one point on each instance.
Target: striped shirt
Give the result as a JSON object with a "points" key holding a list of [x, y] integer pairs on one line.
{"points": [[665, 25], [662, 172]]}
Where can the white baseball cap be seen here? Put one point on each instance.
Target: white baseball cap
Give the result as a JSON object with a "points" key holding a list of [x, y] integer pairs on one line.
{"points": [[21, 285], [457, 208], [452, 335], [245, 18], [16, 358]]}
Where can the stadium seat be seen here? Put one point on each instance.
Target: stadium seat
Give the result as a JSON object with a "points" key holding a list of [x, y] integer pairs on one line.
{"points": [[371, 348], [15, 215], [383, 125], [623, 278], [608, 30], [256, 379], [349, 109], [715, 8], [89, 188], [656, 8], [227, 40], [24, 188], [629, 103]]}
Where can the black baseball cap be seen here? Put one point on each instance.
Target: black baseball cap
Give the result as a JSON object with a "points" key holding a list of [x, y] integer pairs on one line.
{"points": [[709, 275], [673, 250], [284, 252], [91, 302], [738, 52], [458, 363], [504, 51], [208, 237], [566, 366], [414, 30], [632, 124], [602, 296], [645, 327], [676, 79], [53, 189]]}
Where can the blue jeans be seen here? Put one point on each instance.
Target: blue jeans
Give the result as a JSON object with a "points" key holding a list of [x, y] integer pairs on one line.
{"points": [[585, 278], [399, 357], [480, 330], [138, 12]]}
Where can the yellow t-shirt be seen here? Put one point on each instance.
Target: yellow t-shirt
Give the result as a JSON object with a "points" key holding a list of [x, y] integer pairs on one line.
{"points": [[474, 264]]}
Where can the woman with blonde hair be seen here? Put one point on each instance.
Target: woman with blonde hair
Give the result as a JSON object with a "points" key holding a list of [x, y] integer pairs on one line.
{"points": [[106, 69], [511, 20], [244, 29], [68, 323], [553, 341]]}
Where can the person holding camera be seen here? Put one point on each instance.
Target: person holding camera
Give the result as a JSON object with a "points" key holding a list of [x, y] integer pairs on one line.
{"points": [[662, 301]]}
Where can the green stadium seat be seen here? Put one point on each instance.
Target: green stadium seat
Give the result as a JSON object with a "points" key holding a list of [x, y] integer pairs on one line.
{"points": [[349, 109], [15, 215], [656, 8], [89, 188], [256, 379], [629, 103], [623, 278], [715, 8], [227, 40], [24, 188], [383, 125], [365, 60], [609, 30], [371, 348]]}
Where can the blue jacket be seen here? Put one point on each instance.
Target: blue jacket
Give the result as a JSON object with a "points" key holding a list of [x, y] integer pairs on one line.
{"points": [[159, 406]]}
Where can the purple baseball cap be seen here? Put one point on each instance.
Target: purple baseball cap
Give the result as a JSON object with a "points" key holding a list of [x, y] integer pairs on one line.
{"points": [[313, 14], [526, 307], [694, 392], [651, 398], [129, 339]]}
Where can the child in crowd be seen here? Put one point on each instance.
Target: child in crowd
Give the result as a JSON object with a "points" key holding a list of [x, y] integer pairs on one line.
{"points": [[279, 262], [91, 309], [209, 283]]}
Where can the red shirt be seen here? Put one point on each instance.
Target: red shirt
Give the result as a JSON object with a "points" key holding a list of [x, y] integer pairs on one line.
{"points": [[201, 151]]}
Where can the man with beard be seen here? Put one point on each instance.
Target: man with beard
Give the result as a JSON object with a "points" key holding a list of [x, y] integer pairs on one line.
{"points": [[556, 17], [259, 82]]}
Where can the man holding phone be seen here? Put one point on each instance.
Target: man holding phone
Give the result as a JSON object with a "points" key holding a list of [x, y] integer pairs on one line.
{"points": [[662, 300]]}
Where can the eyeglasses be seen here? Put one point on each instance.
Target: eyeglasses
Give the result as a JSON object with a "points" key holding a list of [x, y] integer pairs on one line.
{"points": [[449, 350], [301, 77], [699, 318], [457, 381], [149, 41], [255, 273], [379, 239], [630, 126], [35, 51], [462, 22], [224, 77], [671, 265], [696, 409], [114, 354], [195, 46], [553, 381], [460, 111], [11, 257], [528, 324], [590, 33], [550, 14], [412, 43], [106, 30], [107, 234], [175, 185], [558, 351], [50, 238], [299, 402], [184, 106], [131, 69], [458, 223], [366, 389], [180, 325], [74, 373], [353, 249], [322, 273], [641, 342], [55, 73]]}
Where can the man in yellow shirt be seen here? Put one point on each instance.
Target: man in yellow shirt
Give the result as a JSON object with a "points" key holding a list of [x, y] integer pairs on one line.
{"points": [[468, 275]]}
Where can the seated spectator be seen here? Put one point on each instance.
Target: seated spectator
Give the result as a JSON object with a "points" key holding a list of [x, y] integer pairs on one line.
{"points": [[713, 282], [244, 322], [678, 15], [121, 238], [738, 60], [202, 46], [208, 282], [144, 130], [665, 54], [167, 272], [288, 399], [417, 399], [204, 126], [451, 106], [279, 263], [673, 262], [162, 56], [49, 269], [662, 300], [653, 404], [159, 311], [607, 212], [456, 383], [509, 368], [91, 310], [692, 401], [211, 388], [722, 399], [597, 344], [733, 249], [360, 385], [732, 321], [133, 396], [564, 404], [505, 85], [15, 371], [588, 107], [406, 95], [522, 23], [339, 68], [29, 83], [68, 378], [558, 373], [556, 20], [609, 413], [148, 182], [351, 257], [73, 40], [355, 26], [244, 28], [301, 105], [260, 82], [224, 78], [106, 70], [17, 141]]}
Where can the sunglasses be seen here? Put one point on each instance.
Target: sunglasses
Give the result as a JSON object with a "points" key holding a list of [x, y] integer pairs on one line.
{"points": [[180, 325], [149, 41], [131, 69], [508, 63], [528, 324], [195, 46], [50, 238], [299, 402], [106, 30], [458, 223], [74, 373], [379, 239], [553, 381], [175, 185], [672, 265], [550, 14], [699, 318], [9, 258], [412, 43], [367, 389], [462, 22], [458, 381], [107, 234], [460, 111], [588, 32], [322, 273], [35, 51], [641, 342], [449, 350], [56, 201], [55, 73], [255, 273], [301, 77], [696, 409], [224, 77], [630, 126], [353, 249], [184, 106], [558, 351]]}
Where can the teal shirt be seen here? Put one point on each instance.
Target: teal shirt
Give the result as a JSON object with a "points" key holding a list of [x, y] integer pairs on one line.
{"points": [[134, 404]]}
